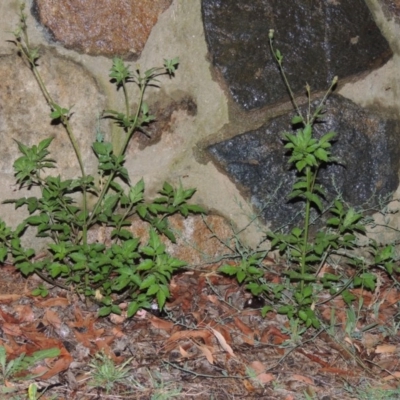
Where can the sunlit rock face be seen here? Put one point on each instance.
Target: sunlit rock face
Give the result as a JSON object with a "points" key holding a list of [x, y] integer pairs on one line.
{"points": [[101, 27], [319, 39]]}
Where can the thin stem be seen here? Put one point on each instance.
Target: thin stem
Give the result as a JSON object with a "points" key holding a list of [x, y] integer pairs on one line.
{"points": [[279, 61], [127, 107], [129, 134], [26, 52]]}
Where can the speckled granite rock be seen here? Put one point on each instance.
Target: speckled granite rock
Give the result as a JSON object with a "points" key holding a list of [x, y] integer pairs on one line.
{"points": [[367, 146], [319, 39], [101, 27]]}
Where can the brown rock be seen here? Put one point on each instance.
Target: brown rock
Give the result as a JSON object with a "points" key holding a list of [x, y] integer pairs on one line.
{"points": [[101, 27], [200, 241]]}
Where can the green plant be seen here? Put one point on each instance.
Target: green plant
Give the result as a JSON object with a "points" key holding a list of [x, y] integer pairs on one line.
{"points": [[105, 374], [18, 368], [162, 390], [298, 292], [127, 270], [368, 392]]}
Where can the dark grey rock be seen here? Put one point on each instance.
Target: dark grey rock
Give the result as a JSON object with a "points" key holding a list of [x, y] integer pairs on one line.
{"points": [[367, 146], [319, 39]]}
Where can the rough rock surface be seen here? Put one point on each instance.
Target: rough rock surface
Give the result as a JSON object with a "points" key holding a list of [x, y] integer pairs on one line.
{"points": [[319, 39], [367, 147], [101, 27], [25, 116], [391, 7]]}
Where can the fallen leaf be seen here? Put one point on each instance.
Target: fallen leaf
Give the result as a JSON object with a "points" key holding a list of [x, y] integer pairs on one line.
{"points": [[52, 318], [53, 302], [9, 298], [385, 348], [161, 323], [206, 351], [393, 375], [183, 352], [25, 313], [222, 342], [60, 365], [117, 332], [11, 329], [118, 319], [302, 378], [248, 385], [248, 333], [258, 367], [203, 334], [265, 378]]}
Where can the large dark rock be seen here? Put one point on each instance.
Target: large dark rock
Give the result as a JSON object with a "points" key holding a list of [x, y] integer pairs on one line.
{"points": [[319, 39], [367, 146]]}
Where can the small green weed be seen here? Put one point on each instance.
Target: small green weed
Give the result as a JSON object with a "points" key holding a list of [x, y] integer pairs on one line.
{"points": [[372, 393], [17, 369], [127, 270], [105, 374]]}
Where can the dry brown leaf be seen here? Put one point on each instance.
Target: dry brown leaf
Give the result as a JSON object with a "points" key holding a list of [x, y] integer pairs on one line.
{"points": [[265, 377], [11, 329], [302, 378], [52, 318], [258, 367], [118, 319], [223, 343], [183, 352], [394, 375], [248, 385], [243, 327], [117, 332], [203, 334], [206, 351], [9, 298], [53, 302], [161, 324], [25, 312], [385, 348], [60, 365], [213, 299], [248, 333]]}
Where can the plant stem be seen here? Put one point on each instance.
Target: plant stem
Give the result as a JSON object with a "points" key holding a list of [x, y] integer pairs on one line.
{"points": [[26, 51]]}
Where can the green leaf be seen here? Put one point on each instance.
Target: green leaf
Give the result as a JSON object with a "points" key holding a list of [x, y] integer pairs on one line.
{"points": [[44, 144], [228, 269], [313, 198], [240, 276], [102, 148], [161, 298], [132, 309], [104, 311], [148, 281], [152, 290], [297, 119], [327, 137], [145, 265], [321, 154], [136, 192]]}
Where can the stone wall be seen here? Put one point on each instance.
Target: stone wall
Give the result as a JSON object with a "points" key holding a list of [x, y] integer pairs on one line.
{"points": [[214, 118]]}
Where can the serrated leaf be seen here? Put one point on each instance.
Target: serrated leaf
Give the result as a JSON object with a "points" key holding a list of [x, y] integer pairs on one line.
{"points": [[147, 282], [297, 120]]}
